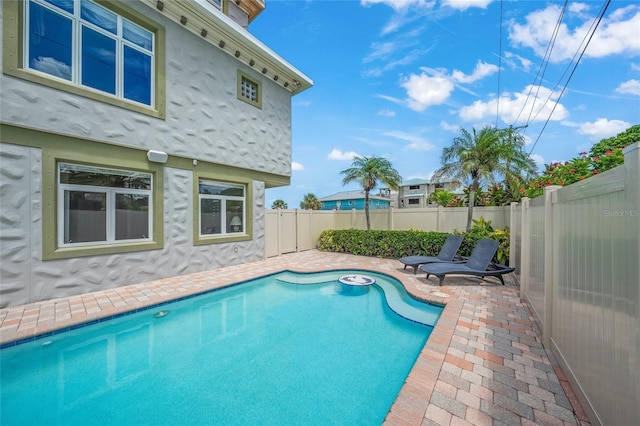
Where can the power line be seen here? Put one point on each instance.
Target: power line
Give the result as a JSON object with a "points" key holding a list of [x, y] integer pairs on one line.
{"points": [[601, 15], [499, 66], [584, 40], [543, 65]]}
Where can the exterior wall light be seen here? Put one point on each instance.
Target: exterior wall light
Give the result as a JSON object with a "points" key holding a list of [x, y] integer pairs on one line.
{"points": [[157, 156]]}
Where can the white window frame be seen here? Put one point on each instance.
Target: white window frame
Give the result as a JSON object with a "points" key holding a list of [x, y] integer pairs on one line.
{"points": [[216, 3], [223, 208], [76, 49], [110, 203]]}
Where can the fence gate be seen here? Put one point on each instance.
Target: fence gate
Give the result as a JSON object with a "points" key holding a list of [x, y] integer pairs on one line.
{"points": [[287, 231]]}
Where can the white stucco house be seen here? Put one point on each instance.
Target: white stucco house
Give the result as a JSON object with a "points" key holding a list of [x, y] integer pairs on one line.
{"points": [[137, 139]]}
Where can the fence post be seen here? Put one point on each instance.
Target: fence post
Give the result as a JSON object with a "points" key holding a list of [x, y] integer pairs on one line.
{"points": [[525, 252], [390, 224], [279, 245], [549, 284], [440, 218], [512, 236]]}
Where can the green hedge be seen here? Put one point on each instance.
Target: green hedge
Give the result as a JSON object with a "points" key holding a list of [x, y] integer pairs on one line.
{"points": [[397, 244]]}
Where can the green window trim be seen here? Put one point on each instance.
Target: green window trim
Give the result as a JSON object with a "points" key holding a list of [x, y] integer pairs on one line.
{"points": [[12, 51], [255, 100], [240, 178], [77, 151]]}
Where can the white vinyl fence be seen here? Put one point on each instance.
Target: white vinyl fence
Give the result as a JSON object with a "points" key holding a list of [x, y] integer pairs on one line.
{"points": [[577, 254], [298, 230]]}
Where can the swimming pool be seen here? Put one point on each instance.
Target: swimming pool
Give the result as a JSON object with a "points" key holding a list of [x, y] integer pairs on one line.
{"points": [[283, 349]]}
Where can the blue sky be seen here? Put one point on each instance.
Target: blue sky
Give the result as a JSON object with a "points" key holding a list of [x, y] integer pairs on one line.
{"points": [[398, 79]]}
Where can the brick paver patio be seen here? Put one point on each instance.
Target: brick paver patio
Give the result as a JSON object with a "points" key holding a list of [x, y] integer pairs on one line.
{"points": [[484, 363]]}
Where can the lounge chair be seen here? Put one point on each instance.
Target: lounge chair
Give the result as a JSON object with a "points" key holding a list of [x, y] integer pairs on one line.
{"points": [[447, 254], [478, 264]]}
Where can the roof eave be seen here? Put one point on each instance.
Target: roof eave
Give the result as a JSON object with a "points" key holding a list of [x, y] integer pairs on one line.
{"points": [[206, 21]]}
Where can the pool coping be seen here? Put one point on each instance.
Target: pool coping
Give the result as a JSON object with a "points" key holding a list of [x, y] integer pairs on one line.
{"points": [[413, 404]]}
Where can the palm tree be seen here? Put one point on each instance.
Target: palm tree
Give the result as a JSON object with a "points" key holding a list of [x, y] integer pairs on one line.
{"points": [[367, 172], [482, 155], [279, 204], [310, 202]]}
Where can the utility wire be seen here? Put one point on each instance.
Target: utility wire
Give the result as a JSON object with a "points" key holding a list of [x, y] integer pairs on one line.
{"points": [[566, 70], [601, 15], [543, 66], [499, 66]]}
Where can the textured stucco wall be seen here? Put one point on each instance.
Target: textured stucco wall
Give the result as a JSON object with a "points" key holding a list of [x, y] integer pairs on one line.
{"points": [[204, 118], [24, 277]]}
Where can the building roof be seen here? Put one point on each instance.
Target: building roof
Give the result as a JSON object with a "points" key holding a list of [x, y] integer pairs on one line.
{"points": [[205, 20], [415, 181], [351, 195], [419, 181]]}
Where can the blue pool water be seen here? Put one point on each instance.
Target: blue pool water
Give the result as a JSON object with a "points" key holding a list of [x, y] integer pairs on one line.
{"points": [[283, 349]]}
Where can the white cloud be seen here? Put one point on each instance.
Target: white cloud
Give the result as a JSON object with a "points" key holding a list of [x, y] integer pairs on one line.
{"points": [[337, 154], [53, 67], [434, 86], [481, 71], [631, 87], [415, 142], [399, 5], [511, 59], [538, 159], [424, 91], [603, 128], [386, 113], [611, 37], [297, 167], [390, 99], [302, 103], [518, 107], [465, 4], [450, 127]]}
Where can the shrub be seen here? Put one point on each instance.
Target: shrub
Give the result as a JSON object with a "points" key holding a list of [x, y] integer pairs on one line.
{"points": [[397, 244]]}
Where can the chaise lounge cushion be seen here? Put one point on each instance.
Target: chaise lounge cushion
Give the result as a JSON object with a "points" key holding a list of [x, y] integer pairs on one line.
{"points": [[447, 254], [478, 264]]}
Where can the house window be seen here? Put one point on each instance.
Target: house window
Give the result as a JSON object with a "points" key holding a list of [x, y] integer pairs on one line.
{"points": [[439, 185], [91, 46], [414, 201], [249, 90], [414, 186], [103, 206], [216, 3], [222, 208]]}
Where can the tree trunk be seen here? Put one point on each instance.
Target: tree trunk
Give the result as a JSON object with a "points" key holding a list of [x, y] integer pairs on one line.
{"points": [[472, 201], [366, 208]]}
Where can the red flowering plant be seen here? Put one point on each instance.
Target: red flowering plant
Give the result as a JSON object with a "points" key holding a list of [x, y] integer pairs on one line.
{"points": [[560, 174], [603, 156]]}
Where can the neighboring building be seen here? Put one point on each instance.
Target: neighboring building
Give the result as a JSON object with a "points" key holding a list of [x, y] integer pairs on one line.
{"points": [[137, 139], [415, 193], [349, 200]]}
